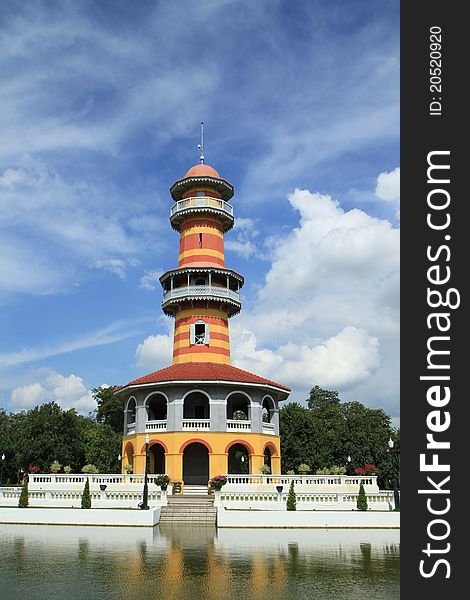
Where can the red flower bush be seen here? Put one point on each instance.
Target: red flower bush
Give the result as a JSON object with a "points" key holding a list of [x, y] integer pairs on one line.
{"points": [[367, 469], [33, 469]]}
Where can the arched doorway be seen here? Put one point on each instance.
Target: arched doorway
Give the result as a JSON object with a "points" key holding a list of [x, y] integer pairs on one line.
{"points": [[267, 458], [129, 455], [157, 459], [196, 406], [156, 408], [238, 460], [195, 464]]}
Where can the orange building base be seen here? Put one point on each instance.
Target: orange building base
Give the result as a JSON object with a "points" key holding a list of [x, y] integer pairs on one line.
{"points": [[217, 443]]}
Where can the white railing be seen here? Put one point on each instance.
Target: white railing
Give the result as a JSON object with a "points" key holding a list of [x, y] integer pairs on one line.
{"points": [[236, 425], [382, 500], [79, 479], [131, 427], [196, 424], [201, 203], [202, 291], [256, 480], [57, 497], [268, 427], [155, 425]]}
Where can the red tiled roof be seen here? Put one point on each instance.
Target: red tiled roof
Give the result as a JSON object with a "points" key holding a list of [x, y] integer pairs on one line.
{"points": [[204, 371]]}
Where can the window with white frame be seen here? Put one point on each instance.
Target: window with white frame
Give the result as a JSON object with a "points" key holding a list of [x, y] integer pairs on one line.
{"points": [[199, 333]]}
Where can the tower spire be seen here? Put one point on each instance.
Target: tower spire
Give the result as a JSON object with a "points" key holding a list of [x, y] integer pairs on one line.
{"points": [[201, 145]]}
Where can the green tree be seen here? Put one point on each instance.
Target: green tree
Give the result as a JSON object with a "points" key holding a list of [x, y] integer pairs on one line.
{"points": [[24, 499], [291, 498], [86, 496], [110, 409], [362, 498], [297, 436], [101, 445]]}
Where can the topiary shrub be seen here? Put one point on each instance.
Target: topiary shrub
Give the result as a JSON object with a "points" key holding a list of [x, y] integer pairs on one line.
{"points": [[291, 498], [86, 496], [303, 469], [24, 500], [362, 498], [67, 469], [55, 466], [290, 472]]}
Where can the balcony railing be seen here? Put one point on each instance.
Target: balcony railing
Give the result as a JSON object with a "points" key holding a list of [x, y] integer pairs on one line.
{"points": [[201, 203], [196, 424], [155, 425], [202, 291], [237, 425], [131, 427], [268, 428]]}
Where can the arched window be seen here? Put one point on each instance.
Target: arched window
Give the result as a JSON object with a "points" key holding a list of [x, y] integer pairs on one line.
{"points": [[156, 408], [238, 407], [131, 410], [196, 406], [267, 410], [199, 333]]}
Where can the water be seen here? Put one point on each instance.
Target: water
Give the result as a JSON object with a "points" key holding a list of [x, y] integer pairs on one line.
{"points": [[40, 562]]}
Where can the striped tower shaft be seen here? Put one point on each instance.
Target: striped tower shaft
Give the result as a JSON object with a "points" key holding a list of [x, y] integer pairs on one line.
{"points": [[201, 245]]}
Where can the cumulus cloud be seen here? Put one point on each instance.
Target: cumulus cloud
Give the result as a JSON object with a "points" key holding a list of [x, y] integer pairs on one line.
{"points": [[327, 312], [388, 185], [341, 361], [69, 391], [155, 352]]}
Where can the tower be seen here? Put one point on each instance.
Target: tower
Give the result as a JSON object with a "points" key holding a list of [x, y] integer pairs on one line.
{"points": [[203, 416], [201, 294]]}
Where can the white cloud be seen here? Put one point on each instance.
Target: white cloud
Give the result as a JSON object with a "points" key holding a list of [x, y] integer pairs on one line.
{"points": [[244, 232], [388, 186], [114, 332], [327, 312], [151, 280], [116, 266], [28, 396], [67, 391], [155, 352], [340, 362]]}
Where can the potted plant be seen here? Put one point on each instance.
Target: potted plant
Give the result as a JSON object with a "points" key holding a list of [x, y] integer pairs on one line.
{"points": [[90, 469], [265, 470], [218, 482], [55, 466], [162, 481], [33, 469], [67, 469], [128, 469]]}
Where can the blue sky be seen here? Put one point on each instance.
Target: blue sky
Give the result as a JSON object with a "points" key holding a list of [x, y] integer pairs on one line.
{"points": [[100, 111]]}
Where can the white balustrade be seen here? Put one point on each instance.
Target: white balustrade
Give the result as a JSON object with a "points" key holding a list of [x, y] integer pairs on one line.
{"points": [[201, 291], [237, 425], [201, 203], [268, 428], [131, 427], [304, 480], [196, 424], [155, 425]]}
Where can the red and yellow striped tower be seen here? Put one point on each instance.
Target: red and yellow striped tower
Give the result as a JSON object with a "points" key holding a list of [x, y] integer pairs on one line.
{"points": [[202, 294]]}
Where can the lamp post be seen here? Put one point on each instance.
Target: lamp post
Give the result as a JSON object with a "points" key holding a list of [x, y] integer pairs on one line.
{"points": [[396, 493], [145, 504], [1, 473], [119, 461], [349, 467]]}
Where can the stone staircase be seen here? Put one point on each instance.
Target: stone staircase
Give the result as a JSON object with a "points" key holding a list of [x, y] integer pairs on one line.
{"points": [[194, 507]]}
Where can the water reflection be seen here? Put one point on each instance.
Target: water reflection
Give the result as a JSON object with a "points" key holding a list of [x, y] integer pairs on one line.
{"points": [[178, 563]]}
